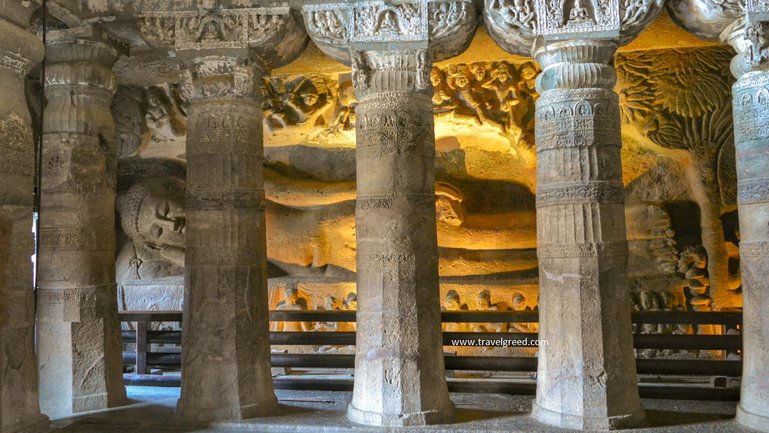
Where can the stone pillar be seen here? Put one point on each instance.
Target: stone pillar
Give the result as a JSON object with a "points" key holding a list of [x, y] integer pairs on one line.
{"points": [[79, 348], [225, 299], [223, 53], [751, 140], [19, 52], [399, 370], [586, 374], [399, 373]]}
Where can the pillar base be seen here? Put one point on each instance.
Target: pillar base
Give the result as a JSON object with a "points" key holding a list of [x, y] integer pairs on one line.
{"points": [[563, 420], [752, 420], [39, 424], [443, 415], [196, 413]]}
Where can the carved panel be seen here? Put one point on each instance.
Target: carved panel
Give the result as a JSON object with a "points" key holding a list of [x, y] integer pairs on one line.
{"points": [[225, 28], [578, 16]]}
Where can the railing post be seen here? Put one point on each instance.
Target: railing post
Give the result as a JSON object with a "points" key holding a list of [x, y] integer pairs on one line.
{"points": [[141, 347]]}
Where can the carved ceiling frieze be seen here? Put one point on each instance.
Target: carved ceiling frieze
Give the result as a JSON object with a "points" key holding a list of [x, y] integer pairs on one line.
{"points": [[228, 28], [514, 24], [444, 24]]}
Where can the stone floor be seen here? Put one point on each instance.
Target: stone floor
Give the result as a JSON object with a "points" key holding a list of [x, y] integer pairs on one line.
{"points": [[152, 411]]}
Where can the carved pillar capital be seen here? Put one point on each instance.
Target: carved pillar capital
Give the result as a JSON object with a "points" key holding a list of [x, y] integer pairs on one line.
{"points": [[750, 39], [444, 27], [79, 62], [403, 71], [271, 36], [515, 24], [220, 77]]}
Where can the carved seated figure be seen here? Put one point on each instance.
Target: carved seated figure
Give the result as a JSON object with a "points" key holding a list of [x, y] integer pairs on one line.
{"points": [[152, 216], [331, 303], [578, 13], [292, 302], [519, 304], [484, 304], [453, 302]]}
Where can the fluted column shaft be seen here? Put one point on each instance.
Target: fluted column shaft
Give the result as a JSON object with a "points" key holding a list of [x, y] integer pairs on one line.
{"points": [[78, 329], [226, 371], [19, 52], [399, 372], [751, 139], [586, 374]]}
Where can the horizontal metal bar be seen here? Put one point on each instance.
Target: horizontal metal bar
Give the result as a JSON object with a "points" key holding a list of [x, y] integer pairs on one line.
{"points": [[687, 342], [150, 316], [689, 367], [640, 341], [312, 316], [687, 317], [650, 317], [646, 390], [482, 363]]}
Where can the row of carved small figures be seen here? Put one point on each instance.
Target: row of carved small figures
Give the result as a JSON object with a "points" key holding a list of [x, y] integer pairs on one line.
{"points": [[496, 93]]}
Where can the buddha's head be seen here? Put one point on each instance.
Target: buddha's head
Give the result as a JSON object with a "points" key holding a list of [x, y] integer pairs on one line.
{"points": [[292, 295], [519, 301], [332, 303], [152, 212], [351, 302], [453, 301], [484, 299]]}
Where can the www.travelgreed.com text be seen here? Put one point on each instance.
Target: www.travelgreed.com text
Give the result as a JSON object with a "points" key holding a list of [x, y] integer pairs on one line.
{"points": [[500, 342]]}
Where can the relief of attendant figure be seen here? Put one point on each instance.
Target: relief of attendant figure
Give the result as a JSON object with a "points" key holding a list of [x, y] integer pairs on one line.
{"points": [[453, 302], [292, 302]]}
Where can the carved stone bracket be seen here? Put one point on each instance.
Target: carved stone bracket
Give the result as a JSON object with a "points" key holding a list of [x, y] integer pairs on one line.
{"points": [[445, 27], [272, 34], [514, 24]]}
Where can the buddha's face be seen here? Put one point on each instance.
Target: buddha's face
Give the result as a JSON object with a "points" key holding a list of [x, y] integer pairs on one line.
{"points": [[452, 303], [519, 303], [161, 220], [292, 296], [332, 303], [484, 299]]}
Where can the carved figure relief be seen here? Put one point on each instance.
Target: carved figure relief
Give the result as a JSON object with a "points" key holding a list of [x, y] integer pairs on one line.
{"points": [[499, 95], [681, 100], [292, 302]]}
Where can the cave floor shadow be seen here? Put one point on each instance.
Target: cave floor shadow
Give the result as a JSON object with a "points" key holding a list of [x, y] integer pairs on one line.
{"points": [[153, 411]]}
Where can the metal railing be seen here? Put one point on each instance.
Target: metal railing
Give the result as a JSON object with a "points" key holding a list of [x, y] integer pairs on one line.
{"points": [[143, 358]]}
